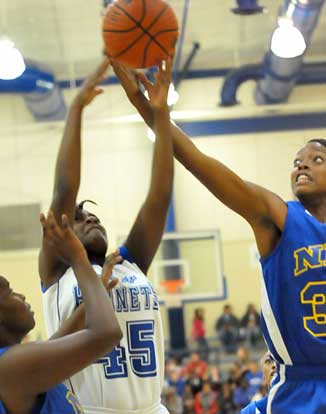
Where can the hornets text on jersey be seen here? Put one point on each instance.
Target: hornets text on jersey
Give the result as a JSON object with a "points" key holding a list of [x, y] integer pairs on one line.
{"points": [[131, 376]]}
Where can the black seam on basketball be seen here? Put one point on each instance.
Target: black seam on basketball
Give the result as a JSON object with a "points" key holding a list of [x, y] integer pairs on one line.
{"points": [[145, 30], [138, 23], [151, 40], [125, 30]]}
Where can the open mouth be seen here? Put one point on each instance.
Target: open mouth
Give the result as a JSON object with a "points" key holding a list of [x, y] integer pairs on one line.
{"points": [[99, 228], [302, 178]]}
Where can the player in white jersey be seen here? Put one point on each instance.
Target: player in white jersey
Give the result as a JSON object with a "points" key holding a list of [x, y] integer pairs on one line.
{"points": [[129, 379]]}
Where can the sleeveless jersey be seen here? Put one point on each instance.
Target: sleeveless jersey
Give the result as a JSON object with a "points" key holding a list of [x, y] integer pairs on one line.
{"points": [[256, 407], [294, 291], [131, 376], [57, 400]]}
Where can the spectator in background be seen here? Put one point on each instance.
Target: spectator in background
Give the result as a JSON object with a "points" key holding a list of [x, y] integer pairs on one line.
{"points": [[197, 365], [188, 400], [225, 399], [250, 326], [206, 400], [243, 356], [194, 381], [254, 377], [241, 395], [172, 401], [174, 380], [172, 365], [198, 332], [269, 371], [227, 329], [214, 377]]}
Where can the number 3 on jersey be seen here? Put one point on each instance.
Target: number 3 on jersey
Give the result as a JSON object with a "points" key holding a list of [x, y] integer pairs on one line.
{"points": [[314, 294], [141, 353]]}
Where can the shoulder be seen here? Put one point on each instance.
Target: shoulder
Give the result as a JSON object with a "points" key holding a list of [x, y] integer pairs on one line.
{"points": [[250, 409], [126, 255], [4, 350]]}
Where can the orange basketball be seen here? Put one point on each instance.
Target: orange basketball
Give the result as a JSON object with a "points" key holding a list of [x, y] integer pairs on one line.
{"points": [[140, 33]]}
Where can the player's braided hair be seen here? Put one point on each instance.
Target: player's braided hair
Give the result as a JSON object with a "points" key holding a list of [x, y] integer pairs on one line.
{"points": [[321, 141], [80, 206]]}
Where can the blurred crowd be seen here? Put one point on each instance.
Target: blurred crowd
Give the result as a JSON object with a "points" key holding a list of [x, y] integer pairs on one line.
{"points": [[193, 385]]}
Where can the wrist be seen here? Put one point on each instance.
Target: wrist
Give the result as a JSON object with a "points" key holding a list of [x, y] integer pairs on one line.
{"points": [[78, 103], [79, 259], [161, 110], [136, 96]]}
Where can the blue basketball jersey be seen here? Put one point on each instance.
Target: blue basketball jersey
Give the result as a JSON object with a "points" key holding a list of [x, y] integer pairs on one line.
{"points": [[58, 400], [294, 314], [256, 407], [294, 291]]}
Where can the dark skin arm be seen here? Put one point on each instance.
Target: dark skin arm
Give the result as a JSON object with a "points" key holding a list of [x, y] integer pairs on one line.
{"points": [[264, 210], [31, 369], [146, 233], [67, 172], [76, 322]]}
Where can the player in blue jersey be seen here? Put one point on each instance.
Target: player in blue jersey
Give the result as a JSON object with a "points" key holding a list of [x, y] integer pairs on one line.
{"points": [[269, 370], [290, 237], [130, 378], [30, 374]]}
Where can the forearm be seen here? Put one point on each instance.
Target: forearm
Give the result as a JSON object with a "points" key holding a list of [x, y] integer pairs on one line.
{"points": [[182, 146], [67, 171], [162, 167], [75, 323], [141, 103], [99, 313]]}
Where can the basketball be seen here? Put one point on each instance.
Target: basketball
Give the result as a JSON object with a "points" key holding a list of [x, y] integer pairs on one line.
{"points": [[140, 33]]}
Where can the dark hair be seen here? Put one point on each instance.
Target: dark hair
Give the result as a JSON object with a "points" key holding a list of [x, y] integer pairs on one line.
{"points": [[80, 207], [320, 141], [198, 312]]}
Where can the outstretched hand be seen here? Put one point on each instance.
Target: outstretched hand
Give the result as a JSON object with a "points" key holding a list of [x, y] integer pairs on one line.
{"points": [[62, 238], [127, 77], [110, 261], [90, 89], [158, 91]]}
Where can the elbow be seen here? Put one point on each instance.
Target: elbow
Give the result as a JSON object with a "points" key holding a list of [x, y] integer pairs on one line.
{"points": [[112, 337], [117, 336]]}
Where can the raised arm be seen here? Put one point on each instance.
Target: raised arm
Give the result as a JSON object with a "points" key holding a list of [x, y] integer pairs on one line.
{"points": [[76, 322], [264, 210], [67, 170], [31, 369], [146, 233]]}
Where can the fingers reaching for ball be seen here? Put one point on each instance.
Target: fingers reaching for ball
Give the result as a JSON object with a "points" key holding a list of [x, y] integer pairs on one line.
{"points": [[90, 87], [61, 237]]}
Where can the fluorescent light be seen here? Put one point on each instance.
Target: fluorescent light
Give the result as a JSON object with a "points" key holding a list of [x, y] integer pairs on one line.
{"points": [[12, 64], [287, 40]]}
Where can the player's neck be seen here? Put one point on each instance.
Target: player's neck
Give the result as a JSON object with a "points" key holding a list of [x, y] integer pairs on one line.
{"points": [[8, 339], [95, 259], [316, 207]]}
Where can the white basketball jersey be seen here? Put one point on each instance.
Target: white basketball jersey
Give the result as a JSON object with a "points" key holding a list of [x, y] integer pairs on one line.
{"points": [[131, 376]]}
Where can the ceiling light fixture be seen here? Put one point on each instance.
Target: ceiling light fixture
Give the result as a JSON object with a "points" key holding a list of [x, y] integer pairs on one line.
{"points": [[287, 41], [12, 64]]}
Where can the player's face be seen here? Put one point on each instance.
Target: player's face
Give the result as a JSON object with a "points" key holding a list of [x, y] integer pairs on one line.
{"points": [[16, 315], [308, 177], [90, 232], [269, 368]]}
